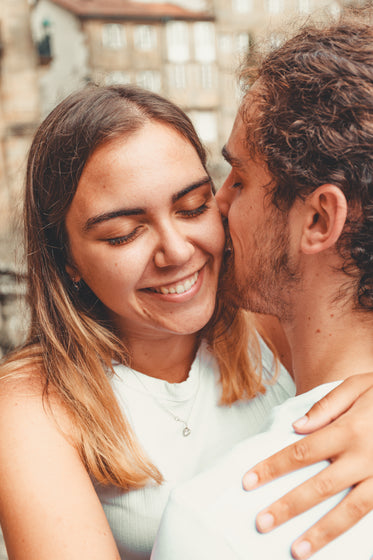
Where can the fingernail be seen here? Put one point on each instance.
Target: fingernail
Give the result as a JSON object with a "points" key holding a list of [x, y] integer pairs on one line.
{"points": [[250, 480], [300, 422], [301, 550], [265, 522]]}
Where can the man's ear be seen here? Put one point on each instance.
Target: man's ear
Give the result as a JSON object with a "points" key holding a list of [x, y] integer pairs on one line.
{"points": [[326, 212]]}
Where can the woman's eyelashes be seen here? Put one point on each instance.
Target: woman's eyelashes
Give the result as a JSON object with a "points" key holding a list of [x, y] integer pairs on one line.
{"points": [[195, 203], [194, 212], [123, 239]]}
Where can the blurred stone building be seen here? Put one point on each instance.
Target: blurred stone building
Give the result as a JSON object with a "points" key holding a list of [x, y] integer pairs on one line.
{"points": [[19, 116], [187, 50]]}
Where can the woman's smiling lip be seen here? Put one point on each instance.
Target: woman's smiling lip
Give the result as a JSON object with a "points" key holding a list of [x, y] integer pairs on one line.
{"points": [[187, 286]]}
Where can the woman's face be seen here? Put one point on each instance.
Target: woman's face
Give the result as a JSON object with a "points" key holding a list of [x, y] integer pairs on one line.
{"points": [[145, 233]]}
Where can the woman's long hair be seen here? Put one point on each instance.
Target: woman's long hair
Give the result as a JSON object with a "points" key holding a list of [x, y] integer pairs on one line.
{"points": [[72, 344]]}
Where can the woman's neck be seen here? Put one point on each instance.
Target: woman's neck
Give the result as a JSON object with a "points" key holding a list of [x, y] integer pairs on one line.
{"points": [[169, 357]]}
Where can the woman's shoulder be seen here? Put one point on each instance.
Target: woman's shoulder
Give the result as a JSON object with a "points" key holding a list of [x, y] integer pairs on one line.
{"points": [[32, 420], [26, 404], [43, 479]]}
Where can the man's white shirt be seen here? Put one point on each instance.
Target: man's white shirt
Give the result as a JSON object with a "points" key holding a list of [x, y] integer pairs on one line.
{"points": [[212, 517]]}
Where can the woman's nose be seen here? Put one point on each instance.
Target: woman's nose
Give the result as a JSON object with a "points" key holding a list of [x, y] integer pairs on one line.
{"points": [[174, 249]]}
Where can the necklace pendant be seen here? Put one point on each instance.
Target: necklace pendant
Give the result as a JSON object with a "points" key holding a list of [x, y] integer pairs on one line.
{"points": [[186, 431]]}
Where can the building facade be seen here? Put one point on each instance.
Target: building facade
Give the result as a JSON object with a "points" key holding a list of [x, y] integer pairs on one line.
{"points": [[187, 50], [19, 116]]}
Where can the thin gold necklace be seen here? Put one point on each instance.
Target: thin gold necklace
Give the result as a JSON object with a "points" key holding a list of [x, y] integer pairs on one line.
{"points": [[186, 430]]}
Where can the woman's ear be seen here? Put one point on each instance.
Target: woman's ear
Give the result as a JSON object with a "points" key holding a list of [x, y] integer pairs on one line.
{"points": [[326, 213], [73, 273]]}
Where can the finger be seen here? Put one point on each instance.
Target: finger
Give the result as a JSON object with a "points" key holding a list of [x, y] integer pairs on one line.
{"points": [[335, 403], [324, 444], [320, 487], [346, 514]]}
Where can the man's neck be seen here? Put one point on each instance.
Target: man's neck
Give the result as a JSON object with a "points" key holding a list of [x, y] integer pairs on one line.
{"points": [[329, 341]]}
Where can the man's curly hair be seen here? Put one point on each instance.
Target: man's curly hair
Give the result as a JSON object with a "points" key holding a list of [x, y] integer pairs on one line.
{"points": [[312, 123]]}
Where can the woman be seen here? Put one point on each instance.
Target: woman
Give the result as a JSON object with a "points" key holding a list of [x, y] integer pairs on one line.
{"points": [[124, 247]]}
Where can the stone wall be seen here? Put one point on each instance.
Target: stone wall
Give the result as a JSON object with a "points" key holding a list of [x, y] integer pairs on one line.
{"points": [[3, 554], [13, 311], [19, 116]]}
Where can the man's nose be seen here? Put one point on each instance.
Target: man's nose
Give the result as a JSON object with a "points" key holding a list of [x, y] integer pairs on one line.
{"points": [[223, 198]]}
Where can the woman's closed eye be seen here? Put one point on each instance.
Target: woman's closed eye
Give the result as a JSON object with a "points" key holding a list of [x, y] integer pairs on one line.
{"points": [[195, 203], [194, 212], [123, 239]]}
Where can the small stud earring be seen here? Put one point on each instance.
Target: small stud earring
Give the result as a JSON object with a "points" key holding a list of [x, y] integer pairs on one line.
{"points": [[76, 285]]}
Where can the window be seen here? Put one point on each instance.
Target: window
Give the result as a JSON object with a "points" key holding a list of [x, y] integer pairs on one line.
{"points": [[242, 6], [230, 86], [225, 43], [207, 76], [117, 77], [177, 41], [204, 41], [334, 9], [274, 6], [243, 42], [206, 125], [304, 6], [43, 44], [177, 76], [113, 36], [192, 4], [149, 79], [275, 40], [145, 37]]}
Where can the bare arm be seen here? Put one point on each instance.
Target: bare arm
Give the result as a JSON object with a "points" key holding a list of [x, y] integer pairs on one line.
{"points": [[48, 506]]}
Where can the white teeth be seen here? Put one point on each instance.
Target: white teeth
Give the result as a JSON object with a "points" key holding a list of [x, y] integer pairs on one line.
{"points": [[179, 288]]}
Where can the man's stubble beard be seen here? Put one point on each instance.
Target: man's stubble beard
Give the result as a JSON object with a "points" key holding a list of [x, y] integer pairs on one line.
{"points": [[266, 285]]}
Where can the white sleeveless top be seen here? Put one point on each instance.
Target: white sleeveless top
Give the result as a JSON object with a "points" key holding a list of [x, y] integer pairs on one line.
{"points": [[134, 516]]}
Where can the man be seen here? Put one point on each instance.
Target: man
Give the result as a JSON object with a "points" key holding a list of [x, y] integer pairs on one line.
{"points": [[299, 202]]}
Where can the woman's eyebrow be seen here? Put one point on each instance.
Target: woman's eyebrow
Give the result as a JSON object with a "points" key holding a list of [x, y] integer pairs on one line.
{"points": [[190, 188], [91, 222]]}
